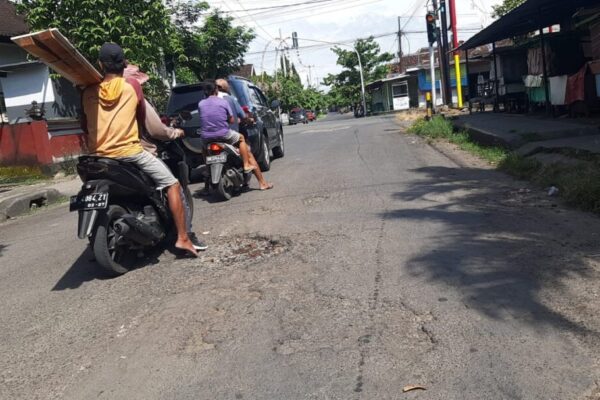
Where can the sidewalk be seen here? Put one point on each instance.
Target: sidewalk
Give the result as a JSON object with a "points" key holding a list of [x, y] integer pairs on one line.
{"points": [[530, 134], [18, 200]]}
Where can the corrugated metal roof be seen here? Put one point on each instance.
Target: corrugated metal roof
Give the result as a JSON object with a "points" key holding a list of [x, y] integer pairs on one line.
{"points": [[528, 17]]}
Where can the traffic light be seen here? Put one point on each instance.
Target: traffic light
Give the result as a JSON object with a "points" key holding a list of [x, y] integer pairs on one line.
{"points": [[432, 30], [294, 40]]}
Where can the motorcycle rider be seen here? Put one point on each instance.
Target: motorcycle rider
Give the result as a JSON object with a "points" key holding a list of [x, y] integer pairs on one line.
{"points": [[215, 117], [113, 110], [154, 129], [238, 118]]}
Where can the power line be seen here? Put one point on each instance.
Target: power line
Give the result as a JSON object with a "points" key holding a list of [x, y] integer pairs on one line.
{"points": [[279, 6], [257, 24]]}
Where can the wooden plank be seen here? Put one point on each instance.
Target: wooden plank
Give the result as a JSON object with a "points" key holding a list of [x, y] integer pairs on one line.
{"points": [[53, 49]]}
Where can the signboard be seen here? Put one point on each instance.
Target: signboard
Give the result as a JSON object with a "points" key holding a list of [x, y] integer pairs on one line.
{"points": [[401, 103]]}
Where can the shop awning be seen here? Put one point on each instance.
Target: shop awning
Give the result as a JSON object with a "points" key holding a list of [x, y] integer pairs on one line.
{"points": [[528, 17]]}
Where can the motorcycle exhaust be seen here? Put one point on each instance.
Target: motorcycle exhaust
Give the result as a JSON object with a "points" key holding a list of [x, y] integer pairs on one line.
{"points": [[137, 231], [234, 177]]}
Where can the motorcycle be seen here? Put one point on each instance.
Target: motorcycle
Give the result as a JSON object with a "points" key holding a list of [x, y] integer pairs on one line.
{"points": [[225, 167], [121, 212]]}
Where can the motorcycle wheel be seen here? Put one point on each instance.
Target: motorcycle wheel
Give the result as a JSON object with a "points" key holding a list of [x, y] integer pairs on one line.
{"points": [[225, 188], [107, 253]]}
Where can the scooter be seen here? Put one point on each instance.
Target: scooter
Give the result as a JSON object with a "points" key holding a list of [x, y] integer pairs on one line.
{"points": [[225, 169], [121, 212]]}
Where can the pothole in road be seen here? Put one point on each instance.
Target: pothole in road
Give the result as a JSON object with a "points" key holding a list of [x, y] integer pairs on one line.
{"points": [[240, 249]]}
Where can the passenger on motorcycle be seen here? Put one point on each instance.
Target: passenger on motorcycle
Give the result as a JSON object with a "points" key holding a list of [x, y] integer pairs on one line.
{"points": [[238, 119], [112, 113], [154, 129]]}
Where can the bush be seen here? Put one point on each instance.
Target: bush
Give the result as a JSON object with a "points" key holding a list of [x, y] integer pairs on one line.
{"points": [[436, 128]]}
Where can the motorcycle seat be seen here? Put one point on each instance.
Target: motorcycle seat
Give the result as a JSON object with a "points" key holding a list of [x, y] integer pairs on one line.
{"points": [[195, 145]]}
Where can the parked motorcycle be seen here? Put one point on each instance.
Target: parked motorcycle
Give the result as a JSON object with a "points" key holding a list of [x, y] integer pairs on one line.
{"points": [[121, 212]]}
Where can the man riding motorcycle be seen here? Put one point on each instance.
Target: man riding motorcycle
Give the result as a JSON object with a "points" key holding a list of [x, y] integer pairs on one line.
{"points": [[113, 111]]}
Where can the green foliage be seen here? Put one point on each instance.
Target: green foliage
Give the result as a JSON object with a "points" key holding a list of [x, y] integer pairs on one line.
{"points": [[345, 86], [213, 50], [506, 7], [290, 91], [21, 175], [437, 127], [142, 28]]}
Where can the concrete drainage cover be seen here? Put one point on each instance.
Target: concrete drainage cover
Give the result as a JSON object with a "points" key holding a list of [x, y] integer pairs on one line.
{"points": [[240, 249]]}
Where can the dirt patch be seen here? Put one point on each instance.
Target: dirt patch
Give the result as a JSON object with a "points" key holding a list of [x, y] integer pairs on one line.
{"points": [[240, 249]]}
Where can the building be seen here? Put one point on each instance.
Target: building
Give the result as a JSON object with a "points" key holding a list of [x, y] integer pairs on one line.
{"points": [[55, 133]]}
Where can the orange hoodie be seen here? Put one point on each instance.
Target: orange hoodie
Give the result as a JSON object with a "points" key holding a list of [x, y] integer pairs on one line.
{"points": [[111, 110]]}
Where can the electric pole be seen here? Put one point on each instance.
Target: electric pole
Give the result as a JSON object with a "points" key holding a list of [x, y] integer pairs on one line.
{"points": [[283, 55], [444, 59], [400, 46], [453, 22], [432, 35]]}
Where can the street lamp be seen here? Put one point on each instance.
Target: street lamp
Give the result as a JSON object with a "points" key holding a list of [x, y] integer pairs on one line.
{"points": [[362, 80]]}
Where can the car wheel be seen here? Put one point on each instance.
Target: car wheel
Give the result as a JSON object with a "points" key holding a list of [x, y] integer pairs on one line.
{"points": [[264, 162], [279, 150]]}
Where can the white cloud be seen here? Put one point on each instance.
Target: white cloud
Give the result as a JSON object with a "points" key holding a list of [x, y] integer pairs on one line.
{"points": [[338, 20]]}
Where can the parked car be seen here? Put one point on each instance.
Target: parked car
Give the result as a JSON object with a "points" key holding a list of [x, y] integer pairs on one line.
{"points": [[265, 137], [310, 115], [298, 116]]}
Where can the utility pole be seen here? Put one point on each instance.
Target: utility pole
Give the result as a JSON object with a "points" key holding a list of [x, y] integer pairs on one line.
{"points": [[400, 46], [444, 58], [453, 22], [283, 55]]}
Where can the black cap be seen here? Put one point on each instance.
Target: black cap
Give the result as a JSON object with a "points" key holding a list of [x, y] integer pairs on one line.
{"points": [[111, 53]]}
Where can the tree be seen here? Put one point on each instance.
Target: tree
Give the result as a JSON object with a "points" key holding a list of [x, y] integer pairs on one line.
{"points": [[213, 50], [346, 84], [506, 7], [90, 23]]}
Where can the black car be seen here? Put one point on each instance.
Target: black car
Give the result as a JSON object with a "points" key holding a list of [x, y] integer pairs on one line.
{"points": [[265, 138], [298, 116]]}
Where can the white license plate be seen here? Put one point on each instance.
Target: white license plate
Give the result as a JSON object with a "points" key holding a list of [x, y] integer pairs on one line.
{"points": [[220, 158]]}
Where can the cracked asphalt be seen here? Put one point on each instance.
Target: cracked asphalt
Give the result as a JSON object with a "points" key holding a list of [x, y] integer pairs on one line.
{"points": [[377, 262]]}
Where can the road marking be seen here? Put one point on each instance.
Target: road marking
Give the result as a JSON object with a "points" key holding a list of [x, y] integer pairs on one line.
{"points": [[339, 128]]}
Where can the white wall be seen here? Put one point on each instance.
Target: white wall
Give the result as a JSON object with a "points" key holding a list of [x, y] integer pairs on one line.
{"points": [[24, 85]]}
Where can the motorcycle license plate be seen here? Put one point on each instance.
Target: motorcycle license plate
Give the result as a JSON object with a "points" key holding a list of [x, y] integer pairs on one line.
{"points": [[93, 201], [220, 158]]}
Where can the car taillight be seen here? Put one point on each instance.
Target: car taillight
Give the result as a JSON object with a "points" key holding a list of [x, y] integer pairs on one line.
{"points": [[215, 148]]}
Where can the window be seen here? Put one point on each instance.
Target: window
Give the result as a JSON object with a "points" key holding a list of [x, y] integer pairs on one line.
{"points": [[257, 97], [400, 90]]}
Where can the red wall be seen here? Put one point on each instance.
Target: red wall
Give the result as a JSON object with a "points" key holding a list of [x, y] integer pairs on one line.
{"points": [[31, 143]]}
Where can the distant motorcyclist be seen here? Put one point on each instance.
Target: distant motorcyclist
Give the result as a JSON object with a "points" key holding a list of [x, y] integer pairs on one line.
{"points": [[239, 118]]}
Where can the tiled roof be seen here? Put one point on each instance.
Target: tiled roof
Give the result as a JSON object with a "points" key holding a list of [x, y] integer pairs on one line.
{"points": [[12, 24], [246, 71]]}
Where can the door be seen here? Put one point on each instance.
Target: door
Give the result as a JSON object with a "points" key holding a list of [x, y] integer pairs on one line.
{"points": [[265, 113]]}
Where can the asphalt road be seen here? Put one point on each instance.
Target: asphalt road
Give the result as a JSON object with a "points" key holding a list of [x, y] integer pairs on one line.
{"points": [[376, 262]]}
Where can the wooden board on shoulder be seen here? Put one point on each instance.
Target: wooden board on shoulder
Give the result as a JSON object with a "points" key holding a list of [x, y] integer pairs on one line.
{"points": [[54, 50]]}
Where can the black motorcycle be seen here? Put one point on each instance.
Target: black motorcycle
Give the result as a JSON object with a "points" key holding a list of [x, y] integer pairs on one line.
{"points": [[121, 212], [226, 170]]}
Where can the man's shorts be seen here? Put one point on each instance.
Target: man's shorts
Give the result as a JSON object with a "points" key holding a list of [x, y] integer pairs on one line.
{"points": [[153, 167], [232, 137]]}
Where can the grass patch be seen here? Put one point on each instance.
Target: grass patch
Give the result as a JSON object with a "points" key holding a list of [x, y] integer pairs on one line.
{"points": [[21, 175], [578, 184], [441, 128]]}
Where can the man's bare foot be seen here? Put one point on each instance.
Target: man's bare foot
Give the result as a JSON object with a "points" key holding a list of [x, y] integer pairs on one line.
{"points": [[266, 186], [188, 246]]}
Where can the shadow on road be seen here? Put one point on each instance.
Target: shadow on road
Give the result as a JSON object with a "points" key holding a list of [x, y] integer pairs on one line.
{"points": [[2, 248], [497, 247], [84, 269]]}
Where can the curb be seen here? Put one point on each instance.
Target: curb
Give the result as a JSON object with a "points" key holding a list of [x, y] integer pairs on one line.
{"points": [[24, 203]]}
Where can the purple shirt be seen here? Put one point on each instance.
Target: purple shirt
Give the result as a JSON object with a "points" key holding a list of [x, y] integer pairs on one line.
{"points": [[214, 117]]}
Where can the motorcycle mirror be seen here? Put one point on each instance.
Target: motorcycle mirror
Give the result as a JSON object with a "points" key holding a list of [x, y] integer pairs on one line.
{"points": [[186, 115], [275, 104]]}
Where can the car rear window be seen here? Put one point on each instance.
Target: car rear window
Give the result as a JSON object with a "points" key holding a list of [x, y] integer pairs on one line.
{"points": [[185, 98]]}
